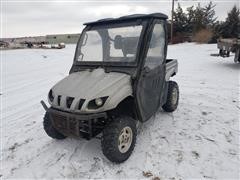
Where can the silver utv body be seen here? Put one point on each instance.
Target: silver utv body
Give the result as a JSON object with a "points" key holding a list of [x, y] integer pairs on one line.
{"points": [[89, 85], [119, 66]]}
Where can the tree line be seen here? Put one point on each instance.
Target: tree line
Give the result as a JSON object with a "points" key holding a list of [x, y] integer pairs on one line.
{"points": [[201, 24]]}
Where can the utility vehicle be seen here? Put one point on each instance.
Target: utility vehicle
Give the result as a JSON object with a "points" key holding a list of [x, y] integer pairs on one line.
{"points": [[120, 76]]}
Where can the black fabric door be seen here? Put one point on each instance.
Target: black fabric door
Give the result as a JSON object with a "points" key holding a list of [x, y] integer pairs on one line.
{"points": [[152, 78]]}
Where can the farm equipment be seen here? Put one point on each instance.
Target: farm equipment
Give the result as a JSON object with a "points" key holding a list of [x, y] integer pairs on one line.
{"points": [[226, 46]]}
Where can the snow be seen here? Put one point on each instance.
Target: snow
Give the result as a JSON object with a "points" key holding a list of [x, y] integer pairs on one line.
{"points": [[199, 140]]}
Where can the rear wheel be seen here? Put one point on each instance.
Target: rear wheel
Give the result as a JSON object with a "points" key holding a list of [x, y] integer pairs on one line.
{"points": [[172, 97], [49, 129], [119, 139]]}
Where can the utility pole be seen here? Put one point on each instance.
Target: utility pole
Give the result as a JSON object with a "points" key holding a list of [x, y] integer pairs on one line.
{"points": [[172, 21]]}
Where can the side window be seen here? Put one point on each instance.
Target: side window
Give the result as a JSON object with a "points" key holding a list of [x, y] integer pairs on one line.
{"points": [[155, 55]]}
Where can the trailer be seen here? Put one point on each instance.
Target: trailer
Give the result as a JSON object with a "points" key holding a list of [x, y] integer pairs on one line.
{"points": [[226, 46]]}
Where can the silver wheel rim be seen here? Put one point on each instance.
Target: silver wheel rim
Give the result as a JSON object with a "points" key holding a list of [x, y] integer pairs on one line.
{"points": [[174, 96], [125, 139]]}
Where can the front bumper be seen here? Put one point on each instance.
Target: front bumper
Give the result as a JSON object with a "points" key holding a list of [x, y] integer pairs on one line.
{"points": [[77, 125]]}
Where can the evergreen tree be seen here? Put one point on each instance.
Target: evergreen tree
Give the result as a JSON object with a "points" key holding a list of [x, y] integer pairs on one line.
{"points": [[190, 19], [231, 27], [209, 18], [198, 19], [218, 30], [179, 20], [203, 17]]}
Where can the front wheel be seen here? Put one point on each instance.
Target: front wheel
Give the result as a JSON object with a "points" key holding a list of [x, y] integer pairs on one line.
{"points": [[172, 97], [119, 138], [49, 129]]}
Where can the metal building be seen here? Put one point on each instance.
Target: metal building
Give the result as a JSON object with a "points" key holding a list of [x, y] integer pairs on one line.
{"points": [[65, 38]]}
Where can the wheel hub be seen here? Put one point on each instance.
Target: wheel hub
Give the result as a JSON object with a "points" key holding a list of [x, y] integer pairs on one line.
{"points": [[125, 139], [174, 96]]}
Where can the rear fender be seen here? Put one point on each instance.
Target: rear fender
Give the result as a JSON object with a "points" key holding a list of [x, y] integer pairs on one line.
{"points": [[169, 74]]}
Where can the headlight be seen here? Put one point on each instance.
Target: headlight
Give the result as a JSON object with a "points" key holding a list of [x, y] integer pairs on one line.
{"points": [[97, 103], [50, 95]]}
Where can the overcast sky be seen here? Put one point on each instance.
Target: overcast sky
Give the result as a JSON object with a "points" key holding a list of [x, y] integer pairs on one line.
{"points": [[32, 17]]}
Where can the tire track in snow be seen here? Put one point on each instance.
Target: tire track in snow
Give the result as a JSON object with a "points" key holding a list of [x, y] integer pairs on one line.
{"points": [[8, 120], [169, 148], [38, 86], [25, 86]]}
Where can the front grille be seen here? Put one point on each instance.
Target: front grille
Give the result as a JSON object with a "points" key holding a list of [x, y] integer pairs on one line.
{"points": [[81, 102], [59, 100], [69, 101]]}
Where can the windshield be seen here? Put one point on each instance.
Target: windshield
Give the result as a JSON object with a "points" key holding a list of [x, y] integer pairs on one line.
{"points": [[109, 44]]}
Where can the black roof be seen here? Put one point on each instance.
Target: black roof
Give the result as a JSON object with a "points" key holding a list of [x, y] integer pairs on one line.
{"points": [[129, 17]]}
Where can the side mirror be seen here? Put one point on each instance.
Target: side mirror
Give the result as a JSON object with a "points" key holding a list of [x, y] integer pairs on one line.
{"points": [[118, 42]]}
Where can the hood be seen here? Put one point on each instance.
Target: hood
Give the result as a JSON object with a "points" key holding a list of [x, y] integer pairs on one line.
{"points": [[88, 85]]}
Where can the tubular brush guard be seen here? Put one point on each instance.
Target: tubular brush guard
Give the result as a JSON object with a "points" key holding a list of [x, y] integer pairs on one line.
{"points": [[77, 125]]}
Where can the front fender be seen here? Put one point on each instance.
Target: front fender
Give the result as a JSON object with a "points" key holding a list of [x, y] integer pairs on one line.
{"points": [[118, 97], [116, 93]]}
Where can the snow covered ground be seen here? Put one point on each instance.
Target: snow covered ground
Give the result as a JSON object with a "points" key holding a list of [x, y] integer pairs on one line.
{"points": [[199, 140]]}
